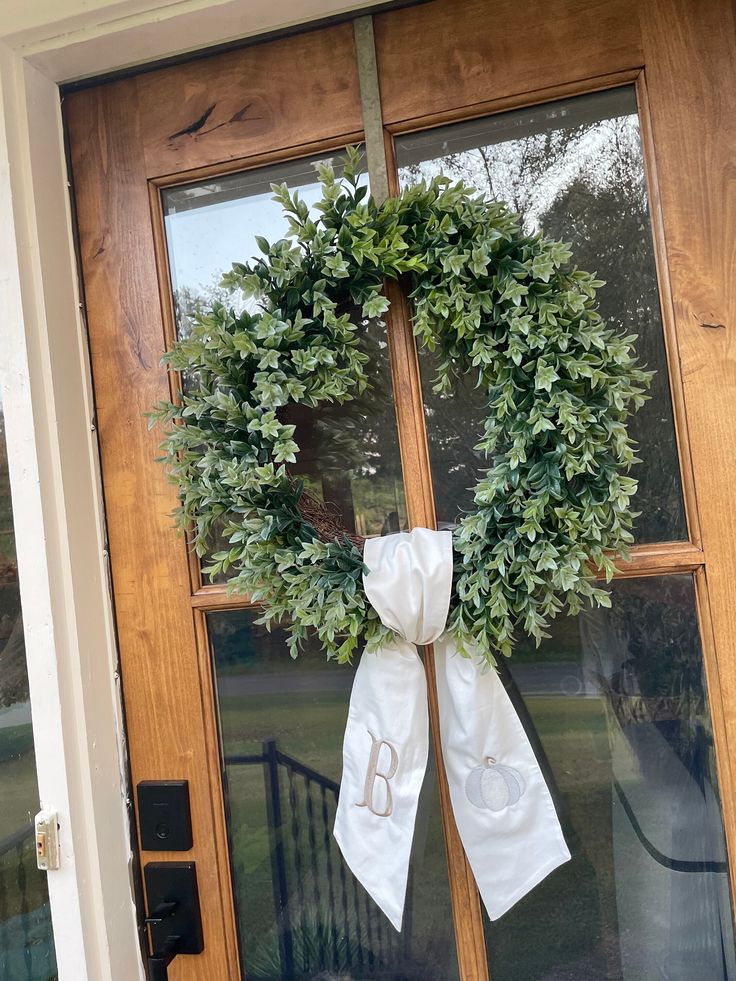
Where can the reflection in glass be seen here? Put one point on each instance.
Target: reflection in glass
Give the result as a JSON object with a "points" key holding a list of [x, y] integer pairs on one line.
{"points": [[350, 453], [573, 169], [26, 941], [301, 914], [617, 706]]}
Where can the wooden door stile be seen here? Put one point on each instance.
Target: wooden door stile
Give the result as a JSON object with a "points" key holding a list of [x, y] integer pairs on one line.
{"points": [[692, 108], [170, 732]]}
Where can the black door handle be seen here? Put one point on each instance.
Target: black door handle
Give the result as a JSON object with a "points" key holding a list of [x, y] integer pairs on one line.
{"points": [[159, 914], [174, 920], [158, 964]]}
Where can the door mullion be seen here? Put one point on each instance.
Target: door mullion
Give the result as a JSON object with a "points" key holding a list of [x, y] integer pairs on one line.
{"points": [[414, 449]]}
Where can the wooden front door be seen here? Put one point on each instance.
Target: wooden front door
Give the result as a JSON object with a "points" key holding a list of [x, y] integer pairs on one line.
{"points": [[609, 124]]}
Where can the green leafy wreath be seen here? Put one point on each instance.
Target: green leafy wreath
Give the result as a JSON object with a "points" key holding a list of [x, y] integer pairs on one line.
{"points": [[553, 506]]}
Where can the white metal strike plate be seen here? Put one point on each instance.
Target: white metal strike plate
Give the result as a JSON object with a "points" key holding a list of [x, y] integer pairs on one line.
{"points": [[47, 840]]}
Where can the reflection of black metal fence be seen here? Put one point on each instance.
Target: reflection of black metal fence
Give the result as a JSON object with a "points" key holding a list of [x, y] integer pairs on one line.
{"points": [[325, 919]]}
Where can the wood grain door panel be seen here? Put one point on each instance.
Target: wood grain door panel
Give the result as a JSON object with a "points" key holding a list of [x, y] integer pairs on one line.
{"points": [[438, 62]]}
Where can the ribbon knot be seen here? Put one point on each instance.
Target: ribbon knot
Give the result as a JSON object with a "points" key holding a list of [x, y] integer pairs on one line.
{"points": [[409, 582], [501, 803]]}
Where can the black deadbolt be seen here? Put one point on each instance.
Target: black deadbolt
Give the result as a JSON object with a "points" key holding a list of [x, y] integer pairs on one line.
{"points": [[163, 815]]}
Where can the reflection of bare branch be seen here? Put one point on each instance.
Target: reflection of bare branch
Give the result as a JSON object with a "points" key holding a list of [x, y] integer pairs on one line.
{"points": [[486, 159]]}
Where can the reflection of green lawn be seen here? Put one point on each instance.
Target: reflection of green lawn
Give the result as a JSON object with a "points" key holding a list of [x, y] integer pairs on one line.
{"points": [[568, 919], [308, 726], [568, 923]]}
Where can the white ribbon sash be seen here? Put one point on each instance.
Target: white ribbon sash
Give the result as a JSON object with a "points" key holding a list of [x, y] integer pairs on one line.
{"points": [[502, 806]]}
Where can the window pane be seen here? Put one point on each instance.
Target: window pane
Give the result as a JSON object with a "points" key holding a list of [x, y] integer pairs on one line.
{"points": [[26, 941], [349, 453], [573, 168], [301, 914], [616, 702]]}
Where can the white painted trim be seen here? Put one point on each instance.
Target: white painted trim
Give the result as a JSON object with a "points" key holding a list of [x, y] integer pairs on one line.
{"points": [[51, 445], [30, 523], [58, 517], [111, 37]]}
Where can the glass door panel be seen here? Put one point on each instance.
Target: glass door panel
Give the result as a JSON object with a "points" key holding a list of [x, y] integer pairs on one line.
{"points": [[616, 703], [573, 169], [301, 914], [349, 453], [615, 700]]}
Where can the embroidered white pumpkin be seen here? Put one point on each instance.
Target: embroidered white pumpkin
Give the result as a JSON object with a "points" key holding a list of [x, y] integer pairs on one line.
{"points": [[493, 786]]}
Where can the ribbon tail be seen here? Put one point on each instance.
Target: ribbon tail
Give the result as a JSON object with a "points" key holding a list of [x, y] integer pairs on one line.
{"points": [[502, 806], [384, 761]]}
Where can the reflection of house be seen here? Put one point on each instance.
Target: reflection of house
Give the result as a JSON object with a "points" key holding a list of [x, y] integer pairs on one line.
{"points": [[138, 142]]}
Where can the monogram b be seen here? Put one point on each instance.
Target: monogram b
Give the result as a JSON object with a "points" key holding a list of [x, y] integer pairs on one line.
{"points": [[373, 774]]}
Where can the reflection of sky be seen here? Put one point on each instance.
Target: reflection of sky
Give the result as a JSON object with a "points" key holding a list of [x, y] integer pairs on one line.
{"points": [[205, 241]]}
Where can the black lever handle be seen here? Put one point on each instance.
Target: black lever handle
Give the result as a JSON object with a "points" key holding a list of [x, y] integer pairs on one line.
{"points": [[163, 910], [158, 963], [174, 918], [158, 966]]}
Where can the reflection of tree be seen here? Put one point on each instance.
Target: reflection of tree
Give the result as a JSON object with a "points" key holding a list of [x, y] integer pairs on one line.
{"points": [[608, 225], [13, 674], [648, 659], [584, 185], [661, 639], [190, 303], [523, 172], [7, 540], [353, 441]]}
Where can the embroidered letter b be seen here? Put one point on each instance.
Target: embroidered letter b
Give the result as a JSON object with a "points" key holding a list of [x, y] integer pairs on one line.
{"points": [[374, 774]]}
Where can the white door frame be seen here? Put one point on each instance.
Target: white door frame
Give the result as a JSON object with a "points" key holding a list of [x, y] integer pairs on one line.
{"points": [[52, 450]]}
